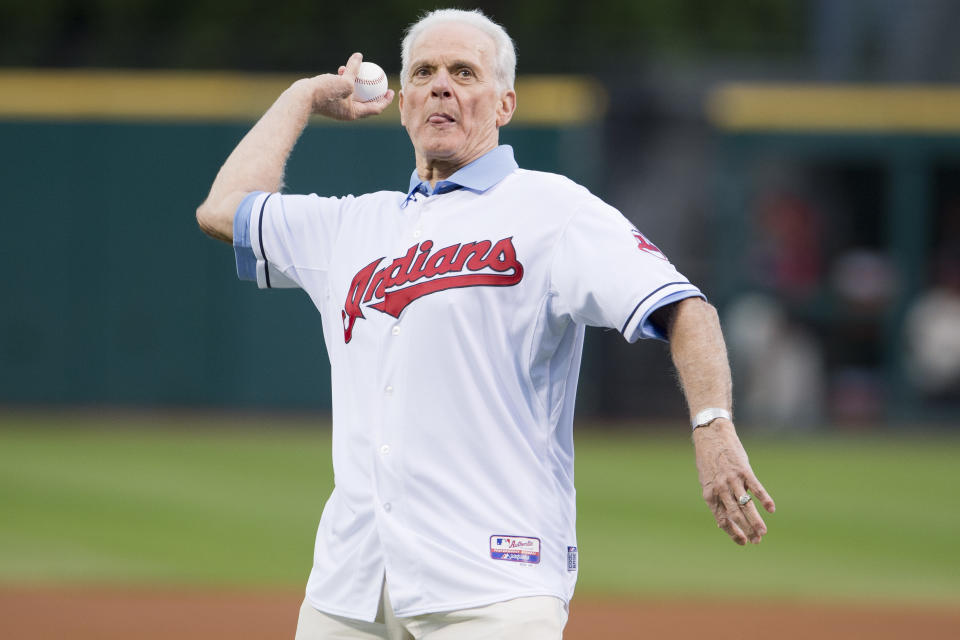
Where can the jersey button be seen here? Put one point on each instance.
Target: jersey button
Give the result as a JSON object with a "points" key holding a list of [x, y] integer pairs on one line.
{"points": [[388, 390], [387, 507], [385, 449], [396, 331], [417, 233]]}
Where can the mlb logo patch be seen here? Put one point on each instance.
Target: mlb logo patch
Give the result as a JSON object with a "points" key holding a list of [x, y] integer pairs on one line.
{"points": [[515, 549]]}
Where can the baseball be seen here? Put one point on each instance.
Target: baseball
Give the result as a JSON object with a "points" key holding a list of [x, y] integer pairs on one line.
{"points": [[371, 83]]}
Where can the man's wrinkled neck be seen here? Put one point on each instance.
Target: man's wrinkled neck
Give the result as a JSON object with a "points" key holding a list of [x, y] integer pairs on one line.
{"points": [[432, 170]]}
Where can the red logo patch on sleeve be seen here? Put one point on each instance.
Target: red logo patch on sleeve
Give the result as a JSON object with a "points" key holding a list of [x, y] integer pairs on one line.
{"points": [[645, 245]]}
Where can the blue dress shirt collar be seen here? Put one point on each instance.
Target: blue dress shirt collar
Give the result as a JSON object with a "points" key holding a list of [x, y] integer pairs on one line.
{"points": [[479, 175]]}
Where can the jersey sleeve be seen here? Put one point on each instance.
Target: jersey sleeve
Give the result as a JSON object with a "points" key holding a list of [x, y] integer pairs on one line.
{"points": [[606, 273], [278, 238]]}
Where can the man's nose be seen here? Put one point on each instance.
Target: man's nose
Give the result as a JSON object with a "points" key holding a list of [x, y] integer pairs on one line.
{"points": [[440, 88]]}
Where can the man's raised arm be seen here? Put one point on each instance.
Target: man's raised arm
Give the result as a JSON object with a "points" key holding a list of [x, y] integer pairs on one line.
{"points": [[258, 162], [700, 356]]}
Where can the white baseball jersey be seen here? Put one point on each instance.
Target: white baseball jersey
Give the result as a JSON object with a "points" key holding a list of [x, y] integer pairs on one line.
{"points": [[454, 322]]}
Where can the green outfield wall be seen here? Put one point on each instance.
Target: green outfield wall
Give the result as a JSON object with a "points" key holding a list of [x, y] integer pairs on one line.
{"points": [[113, 295]]}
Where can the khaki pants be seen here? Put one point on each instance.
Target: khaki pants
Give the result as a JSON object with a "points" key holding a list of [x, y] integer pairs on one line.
{"points": [[532, 618]]}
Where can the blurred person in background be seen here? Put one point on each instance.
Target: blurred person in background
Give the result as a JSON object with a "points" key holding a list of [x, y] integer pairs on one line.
{"points": [[778, 365], [789, 253], [932, 331]]}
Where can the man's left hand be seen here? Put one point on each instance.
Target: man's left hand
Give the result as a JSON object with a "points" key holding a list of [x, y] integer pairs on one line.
{"points": [[725, 476]]}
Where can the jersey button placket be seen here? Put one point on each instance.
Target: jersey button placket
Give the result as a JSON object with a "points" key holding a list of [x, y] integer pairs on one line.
{"points": [[384, 475], [387, 455], [417, 233]]}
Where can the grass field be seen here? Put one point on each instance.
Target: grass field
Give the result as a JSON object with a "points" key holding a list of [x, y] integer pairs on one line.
{"points": [[200, 500]]}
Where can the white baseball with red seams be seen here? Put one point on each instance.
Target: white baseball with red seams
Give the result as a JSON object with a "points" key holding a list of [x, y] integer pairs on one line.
{"points": [[370, 83]]}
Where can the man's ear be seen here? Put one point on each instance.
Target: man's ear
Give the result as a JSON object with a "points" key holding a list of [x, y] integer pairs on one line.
{"points": [[400, 106], [505, 107]]}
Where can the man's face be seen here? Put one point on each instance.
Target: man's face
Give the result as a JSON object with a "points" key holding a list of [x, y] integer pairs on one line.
{"points": [[451, 105]]}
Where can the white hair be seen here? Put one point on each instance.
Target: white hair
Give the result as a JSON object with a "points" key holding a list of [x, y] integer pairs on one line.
{"points": [[505, 55]]}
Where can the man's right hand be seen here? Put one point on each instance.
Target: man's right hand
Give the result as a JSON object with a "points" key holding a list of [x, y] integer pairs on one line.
{"points": [[257, 162], [333, 94]]}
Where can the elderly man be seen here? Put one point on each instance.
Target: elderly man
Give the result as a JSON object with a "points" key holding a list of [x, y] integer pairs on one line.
{"points": [[453, 315]]}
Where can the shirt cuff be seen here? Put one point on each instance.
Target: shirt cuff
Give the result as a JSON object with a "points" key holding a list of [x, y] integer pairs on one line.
{"points": [[242, 249], [651, 330], [639, 324]]}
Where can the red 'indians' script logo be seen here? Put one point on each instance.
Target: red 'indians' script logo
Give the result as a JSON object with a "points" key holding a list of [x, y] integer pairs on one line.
{"points": [[422, 262]]}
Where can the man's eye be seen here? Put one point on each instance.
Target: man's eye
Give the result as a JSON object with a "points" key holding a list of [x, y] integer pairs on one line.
{"points": [[422, 72], [465, 73]]}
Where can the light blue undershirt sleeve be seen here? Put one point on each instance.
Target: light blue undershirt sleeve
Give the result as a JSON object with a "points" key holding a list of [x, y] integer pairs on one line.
{"points": [[246, 261], [650, 330]]}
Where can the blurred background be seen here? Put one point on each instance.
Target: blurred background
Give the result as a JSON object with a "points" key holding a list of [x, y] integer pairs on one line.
{"points": [[162, 423], [797, 158]]}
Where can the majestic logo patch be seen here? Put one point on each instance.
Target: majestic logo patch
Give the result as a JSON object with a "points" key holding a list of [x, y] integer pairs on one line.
{"points": [[515, 549], [496, 262], [645, 245]]}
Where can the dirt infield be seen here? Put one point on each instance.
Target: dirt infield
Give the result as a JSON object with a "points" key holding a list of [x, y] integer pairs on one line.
{"points": [[142, 614]]}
